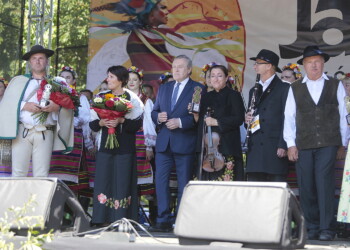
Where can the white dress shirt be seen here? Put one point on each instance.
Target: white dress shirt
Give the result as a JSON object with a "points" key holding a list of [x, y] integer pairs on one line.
{"points": [[266, 84], [83, 113], [26, 116], [181, 88], [315, 89]]}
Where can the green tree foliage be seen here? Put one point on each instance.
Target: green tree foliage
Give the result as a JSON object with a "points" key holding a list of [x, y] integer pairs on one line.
{"points": [[69, 37], [73, 24], [10, 24]]}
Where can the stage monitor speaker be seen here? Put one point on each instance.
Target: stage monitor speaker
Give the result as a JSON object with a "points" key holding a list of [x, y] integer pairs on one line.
{"points": [[256, 214], [51, 197]]}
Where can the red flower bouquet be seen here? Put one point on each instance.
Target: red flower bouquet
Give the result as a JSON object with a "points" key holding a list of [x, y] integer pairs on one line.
{"points": [[109, 106], [60, 93]]}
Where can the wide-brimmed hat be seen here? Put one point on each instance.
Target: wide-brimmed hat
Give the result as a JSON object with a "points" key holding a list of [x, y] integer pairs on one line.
{"points": [[313, 51], [268, 56], [35, 50]]}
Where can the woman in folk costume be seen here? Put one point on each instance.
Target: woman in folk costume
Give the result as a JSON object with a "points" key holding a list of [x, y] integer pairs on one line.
{"points": [[344, 201], [145, 137], [115, 189], [72, 167]]}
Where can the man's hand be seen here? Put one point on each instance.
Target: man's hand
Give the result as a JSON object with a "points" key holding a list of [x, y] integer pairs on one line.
{"points": [[162, 117], [32, 107], [195, 115], [341, 153], [52, 107], [293, 153], [281, 152], [173, 123], [149, 155]]}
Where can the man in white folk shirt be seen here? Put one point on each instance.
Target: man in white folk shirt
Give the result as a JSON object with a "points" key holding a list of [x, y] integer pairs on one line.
{"points": [[315, 129], [32, 140]]}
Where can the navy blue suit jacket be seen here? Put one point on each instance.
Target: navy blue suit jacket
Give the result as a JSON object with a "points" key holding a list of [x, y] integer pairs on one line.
{"points": [[180, 140]]}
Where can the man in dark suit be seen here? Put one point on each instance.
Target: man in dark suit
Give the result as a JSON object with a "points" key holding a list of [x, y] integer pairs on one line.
{"points": [[176, 139], [267, 151]]}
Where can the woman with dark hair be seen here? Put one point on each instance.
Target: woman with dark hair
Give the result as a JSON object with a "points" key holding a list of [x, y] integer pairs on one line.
{"points": [[290, 73], [145, 137], [115, 190], [227, 115]]}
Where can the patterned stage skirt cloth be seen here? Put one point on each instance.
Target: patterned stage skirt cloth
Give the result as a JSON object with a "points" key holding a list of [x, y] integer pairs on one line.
{"points": [[70, 167], [144, 168], [5, 158]]}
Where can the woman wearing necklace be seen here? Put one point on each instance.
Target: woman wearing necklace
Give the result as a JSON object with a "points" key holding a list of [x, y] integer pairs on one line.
{"points": [[115, 177]]}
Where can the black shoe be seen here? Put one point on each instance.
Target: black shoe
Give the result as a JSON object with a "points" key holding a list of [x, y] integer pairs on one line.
{"points": [[162, 227], [312, 235], [326, 235]]}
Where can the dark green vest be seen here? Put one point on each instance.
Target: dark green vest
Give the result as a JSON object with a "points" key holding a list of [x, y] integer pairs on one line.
{"points": [[317, 125]]}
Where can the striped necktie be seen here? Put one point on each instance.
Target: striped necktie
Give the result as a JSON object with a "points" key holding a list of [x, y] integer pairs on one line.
{"points": [[174, 97]]}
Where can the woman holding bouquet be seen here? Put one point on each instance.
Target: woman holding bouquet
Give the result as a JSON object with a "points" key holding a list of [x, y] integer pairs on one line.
{"points": [[115, 189], [227, 115]]}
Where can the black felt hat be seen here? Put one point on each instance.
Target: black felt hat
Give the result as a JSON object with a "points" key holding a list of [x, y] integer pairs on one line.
{"points": [[37, 49], [268, 56], [313, 51]]}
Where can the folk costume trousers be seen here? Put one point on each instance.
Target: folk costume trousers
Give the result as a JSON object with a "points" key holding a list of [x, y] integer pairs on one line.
{"points": [[31, 145]]}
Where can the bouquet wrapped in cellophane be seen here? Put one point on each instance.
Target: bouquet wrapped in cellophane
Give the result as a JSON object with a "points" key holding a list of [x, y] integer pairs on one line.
{"points": [[109, 106], [57, 90]]}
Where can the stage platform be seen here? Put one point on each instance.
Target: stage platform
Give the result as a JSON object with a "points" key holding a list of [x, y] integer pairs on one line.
{"points": [[115, 240]]}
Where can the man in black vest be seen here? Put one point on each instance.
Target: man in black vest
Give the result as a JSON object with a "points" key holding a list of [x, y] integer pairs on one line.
{"points": [[315, 123], [267, 151]]}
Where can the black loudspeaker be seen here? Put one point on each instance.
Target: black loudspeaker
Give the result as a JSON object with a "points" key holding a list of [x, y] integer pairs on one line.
{"points": [[255, 214], [51, 197]]}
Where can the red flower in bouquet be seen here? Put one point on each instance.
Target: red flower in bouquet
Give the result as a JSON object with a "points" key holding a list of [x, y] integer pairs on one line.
{"points": [[111, 107], [61, 94]]}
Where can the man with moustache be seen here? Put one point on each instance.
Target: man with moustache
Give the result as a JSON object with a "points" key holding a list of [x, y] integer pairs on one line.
{"points": [[314, 129], [32, 140]]}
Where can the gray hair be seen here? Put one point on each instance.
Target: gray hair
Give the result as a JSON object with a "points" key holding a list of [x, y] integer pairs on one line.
{"points": [[189, 61]]}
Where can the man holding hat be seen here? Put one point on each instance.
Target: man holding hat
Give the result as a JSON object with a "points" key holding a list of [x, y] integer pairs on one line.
{"points": [[314, 129], [32, 140], [267, 151]]}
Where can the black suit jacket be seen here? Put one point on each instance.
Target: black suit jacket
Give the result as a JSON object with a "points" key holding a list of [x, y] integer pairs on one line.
{"points": [[263, 144]]}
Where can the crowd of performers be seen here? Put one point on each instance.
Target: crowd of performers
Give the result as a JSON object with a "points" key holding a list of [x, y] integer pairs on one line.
{"points": [[165, 137]]}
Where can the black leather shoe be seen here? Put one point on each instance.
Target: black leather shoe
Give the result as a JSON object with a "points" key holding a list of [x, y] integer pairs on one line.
{"points": [[326, 236], [161, 228], [312, 235]]}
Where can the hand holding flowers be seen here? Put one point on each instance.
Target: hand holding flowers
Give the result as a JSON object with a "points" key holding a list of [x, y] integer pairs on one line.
{"points": [[61, 95], [111, 109]]}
